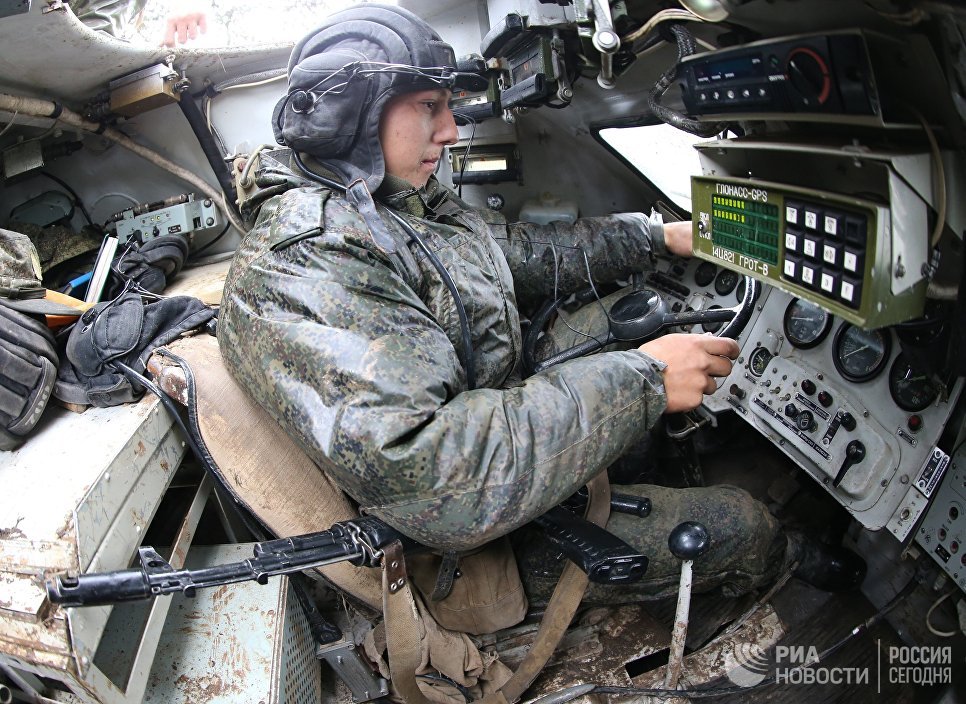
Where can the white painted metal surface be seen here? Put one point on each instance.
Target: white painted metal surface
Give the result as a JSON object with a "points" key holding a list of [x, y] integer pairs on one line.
{"points": [[76, 496], [237, 643]]}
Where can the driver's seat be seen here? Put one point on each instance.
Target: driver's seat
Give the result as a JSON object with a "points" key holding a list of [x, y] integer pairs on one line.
{"points": [[262, 469], [255, 460]]}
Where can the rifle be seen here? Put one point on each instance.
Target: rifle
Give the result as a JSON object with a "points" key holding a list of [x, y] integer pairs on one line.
{"points": [[360, 541], [602, 555]]}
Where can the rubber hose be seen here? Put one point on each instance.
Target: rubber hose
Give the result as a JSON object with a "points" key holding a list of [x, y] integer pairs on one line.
{"points": [[208, 146]]}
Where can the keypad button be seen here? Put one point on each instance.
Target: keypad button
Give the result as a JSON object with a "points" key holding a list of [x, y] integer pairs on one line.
{"points": [[829, 283], [850, 291], [812, 218], [812, 247], [833, 224], [855, 229], [811, 275], [792, 242], [832, 253], [793, 213], [852, 260], [790, 269]]}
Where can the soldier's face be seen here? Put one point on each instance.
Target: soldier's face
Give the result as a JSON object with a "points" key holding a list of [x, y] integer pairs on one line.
{"points": [[413, 130]]}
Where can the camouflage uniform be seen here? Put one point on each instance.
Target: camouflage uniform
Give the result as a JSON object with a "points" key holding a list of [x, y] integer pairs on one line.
{"points": [[110, 16], [354, 350]]}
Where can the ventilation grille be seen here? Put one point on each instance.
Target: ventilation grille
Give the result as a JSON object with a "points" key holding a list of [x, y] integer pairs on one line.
{"points": [[301, 673]]}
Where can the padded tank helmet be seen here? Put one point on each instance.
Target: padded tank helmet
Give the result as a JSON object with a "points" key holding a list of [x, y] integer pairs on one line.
{"points": [[342, 74]]}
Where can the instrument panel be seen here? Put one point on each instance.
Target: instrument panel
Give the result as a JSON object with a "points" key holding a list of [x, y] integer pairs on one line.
{"points": [[831, 249], [842, 402]]}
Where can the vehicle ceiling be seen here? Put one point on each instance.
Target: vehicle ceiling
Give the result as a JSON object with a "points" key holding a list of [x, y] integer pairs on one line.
{"points": [[76, 63], [54, 55]]}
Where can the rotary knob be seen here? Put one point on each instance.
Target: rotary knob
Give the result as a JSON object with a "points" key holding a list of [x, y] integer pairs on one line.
{"points": [[805, 421], [809, 75]]}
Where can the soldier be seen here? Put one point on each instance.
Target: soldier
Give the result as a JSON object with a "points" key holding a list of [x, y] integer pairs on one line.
{"points": [[380, 326]]}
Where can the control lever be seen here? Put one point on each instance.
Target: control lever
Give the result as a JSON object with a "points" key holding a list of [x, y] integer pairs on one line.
{"points": [[620, 503], [606, 41], [854, 453], [687, 542]]}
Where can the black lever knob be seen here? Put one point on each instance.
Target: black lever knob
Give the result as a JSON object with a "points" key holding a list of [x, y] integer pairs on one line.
{"points": [[848, 422], [689, 540], [854, 453]]}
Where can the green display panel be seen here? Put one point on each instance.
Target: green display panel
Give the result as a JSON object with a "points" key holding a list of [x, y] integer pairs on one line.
{"points": [[745, 227], [831, 249]]}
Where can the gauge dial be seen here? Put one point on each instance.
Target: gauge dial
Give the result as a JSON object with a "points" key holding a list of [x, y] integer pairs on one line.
{"points": [[806, 323], [912, 391], [926, 330], [861, 354], [725, 282], [712, 327], [704, 274], [740, 291], [758, 363]]}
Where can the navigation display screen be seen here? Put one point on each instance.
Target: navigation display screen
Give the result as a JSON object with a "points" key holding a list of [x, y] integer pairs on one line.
{"points": [[746, 227], [729, 69]]}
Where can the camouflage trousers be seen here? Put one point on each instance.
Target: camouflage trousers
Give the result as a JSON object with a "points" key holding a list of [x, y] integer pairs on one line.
{"points": [[747, 546]]}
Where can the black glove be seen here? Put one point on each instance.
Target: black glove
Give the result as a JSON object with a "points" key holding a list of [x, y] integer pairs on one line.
{"points": [[28, 369], [123, 330], [151, 266]]}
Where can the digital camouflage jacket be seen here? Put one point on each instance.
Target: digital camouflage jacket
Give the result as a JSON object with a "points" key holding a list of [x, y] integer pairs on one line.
{"points": [[354, 350]]}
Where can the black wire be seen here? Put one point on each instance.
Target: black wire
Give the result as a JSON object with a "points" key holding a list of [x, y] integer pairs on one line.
{"points": [[167, 402], [221, 234], [466, 338], [77, 200], [469, 146]]}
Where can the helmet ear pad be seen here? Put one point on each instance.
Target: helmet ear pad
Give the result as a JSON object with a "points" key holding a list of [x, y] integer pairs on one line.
{"points": [[330, 123]]}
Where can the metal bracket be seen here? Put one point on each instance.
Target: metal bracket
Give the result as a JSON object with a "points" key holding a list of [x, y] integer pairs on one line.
{"points": [[565, 91], [345, 660]]}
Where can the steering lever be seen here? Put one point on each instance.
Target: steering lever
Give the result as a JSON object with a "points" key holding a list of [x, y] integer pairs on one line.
{"points": [[643, 313]]}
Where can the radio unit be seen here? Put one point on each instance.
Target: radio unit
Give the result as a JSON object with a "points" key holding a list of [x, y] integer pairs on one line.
{"points": [[851, 77]]}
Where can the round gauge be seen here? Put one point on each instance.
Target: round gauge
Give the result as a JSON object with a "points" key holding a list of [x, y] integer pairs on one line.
{"points": [[806, 324], [740, 291], [712, 327], [704, 274], [926, 330], [911, 390], [859, 354], [726, 281], [758, 363]]}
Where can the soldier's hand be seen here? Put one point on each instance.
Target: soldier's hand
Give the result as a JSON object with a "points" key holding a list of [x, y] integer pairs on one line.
{"points": [[677, 238], [693, 362], [183, 27]]}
